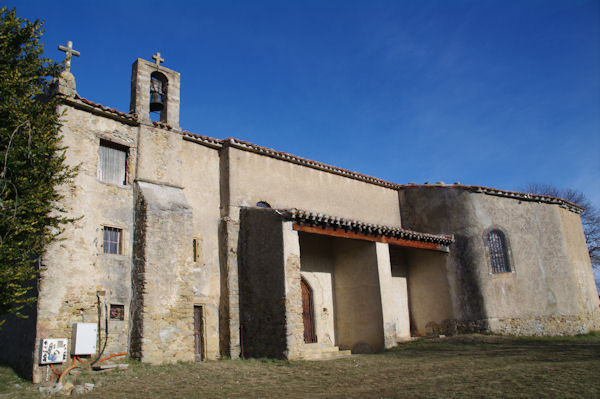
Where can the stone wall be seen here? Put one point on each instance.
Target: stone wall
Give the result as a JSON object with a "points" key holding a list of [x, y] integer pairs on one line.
{"points": [[394, 314], [254, 177], [262, 284], [201, 187], [163, 276], [399, 271], [76, 268], [316, 254], [294, 323], [359, 318], [248, 177], [551, 276]]}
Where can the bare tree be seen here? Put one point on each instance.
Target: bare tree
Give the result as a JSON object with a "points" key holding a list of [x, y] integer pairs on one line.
{"points": [[590, 217]]}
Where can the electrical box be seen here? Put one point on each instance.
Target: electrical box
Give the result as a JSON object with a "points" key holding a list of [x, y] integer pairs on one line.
{"points": [[53, 350], [84, 338]]}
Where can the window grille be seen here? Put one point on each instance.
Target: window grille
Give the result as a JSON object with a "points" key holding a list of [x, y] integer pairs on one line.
{"points": [[498, 252], [112, 165], [112, 240]]}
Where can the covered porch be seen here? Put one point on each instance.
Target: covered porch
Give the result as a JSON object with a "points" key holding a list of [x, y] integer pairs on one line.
{"points": [[332, 283]]}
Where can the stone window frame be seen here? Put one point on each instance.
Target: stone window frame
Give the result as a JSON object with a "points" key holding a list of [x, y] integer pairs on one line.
{"points": [[109, 142], [507, 249]]}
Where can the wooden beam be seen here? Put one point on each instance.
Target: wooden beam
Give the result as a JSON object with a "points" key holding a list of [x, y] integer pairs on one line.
{"points": [[341, 233]]}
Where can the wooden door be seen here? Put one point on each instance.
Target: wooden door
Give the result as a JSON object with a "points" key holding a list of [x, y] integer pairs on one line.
{"points": [[198, 334], [308, 314]]}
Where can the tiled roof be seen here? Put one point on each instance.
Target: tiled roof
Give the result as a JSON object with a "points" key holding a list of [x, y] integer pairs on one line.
{"points": [[323, 220], [246, 146], [105, 109], [210, 141], [502, 193]]}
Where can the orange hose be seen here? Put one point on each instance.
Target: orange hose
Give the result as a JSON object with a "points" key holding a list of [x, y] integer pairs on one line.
{"points": [[64, 373], [54, 371], [111, 356]]}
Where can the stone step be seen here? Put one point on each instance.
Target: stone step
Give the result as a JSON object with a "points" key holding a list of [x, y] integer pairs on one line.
{"points": [[326, 355], [317, 352], [321, 349]]}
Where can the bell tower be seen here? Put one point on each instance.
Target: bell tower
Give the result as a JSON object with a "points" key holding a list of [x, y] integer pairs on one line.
{"points": [[155, 89]]}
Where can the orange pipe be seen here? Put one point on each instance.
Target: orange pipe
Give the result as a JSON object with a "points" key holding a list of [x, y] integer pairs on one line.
{"points": [[111, 356], [55, 372]]}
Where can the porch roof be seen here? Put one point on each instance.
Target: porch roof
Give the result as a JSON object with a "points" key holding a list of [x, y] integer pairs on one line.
{"points": [[319, 223]]}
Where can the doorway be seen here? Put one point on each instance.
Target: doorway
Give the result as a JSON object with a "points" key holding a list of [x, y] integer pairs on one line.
{"points": [[308, 314], [198, 333]]}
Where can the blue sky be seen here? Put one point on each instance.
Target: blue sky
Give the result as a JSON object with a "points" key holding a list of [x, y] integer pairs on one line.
{"points": [[494, 93]]}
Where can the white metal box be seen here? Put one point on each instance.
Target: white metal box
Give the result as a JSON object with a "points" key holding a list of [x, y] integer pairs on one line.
{"points": [[53, 350], [84, 338]]}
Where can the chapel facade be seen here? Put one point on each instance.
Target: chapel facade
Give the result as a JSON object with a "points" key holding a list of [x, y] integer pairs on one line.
{"points": [[188, 248]]}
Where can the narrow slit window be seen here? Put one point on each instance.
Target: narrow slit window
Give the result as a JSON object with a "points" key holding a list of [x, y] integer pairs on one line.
{"points": [[498, 252], [195, 244], [112, 163], [112, 240]]}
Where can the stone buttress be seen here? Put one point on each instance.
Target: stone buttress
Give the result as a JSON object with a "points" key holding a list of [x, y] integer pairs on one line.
{"points": [[162, 277]]}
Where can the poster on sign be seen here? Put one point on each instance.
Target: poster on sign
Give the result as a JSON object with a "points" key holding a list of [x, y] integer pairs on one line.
{"points": [[53, 350]]}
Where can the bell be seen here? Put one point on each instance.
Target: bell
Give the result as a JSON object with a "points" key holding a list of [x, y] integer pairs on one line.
{"points": [[156, 102]]}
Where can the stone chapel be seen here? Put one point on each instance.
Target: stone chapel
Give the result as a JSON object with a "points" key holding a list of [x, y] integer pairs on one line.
{"points": [[190, 248]]}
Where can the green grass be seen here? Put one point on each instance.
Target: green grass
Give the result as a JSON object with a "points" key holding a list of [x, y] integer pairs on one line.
{"points": [[455, 367]]}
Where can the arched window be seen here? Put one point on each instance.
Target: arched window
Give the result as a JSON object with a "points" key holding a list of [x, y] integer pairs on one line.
{"points": [[263, 204], [498, 252]]}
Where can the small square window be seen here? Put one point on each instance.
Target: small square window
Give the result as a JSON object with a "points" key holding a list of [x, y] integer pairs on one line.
{"points": [[112, 240], [112, 163], [117, 312]]}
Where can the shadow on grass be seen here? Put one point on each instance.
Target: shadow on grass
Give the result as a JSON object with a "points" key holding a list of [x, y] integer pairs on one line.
{"points": [[551, 349]]}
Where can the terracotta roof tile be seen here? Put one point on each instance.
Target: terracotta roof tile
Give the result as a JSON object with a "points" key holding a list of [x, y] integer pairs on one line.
{"points": [[203, 139], [502, 193], [103, 108], [304, 161], [321, 219]]}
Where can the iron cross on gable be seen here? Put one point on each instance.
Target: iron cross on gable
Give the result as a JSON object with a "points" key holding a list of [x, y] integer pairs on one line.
{"points": [[69, 53], [158, 59]]}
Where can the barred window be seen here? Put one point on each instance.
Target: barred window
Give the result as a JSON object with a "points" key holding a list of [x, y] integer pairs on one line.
{"points": [[112, 163], [498, 252], [112, 240]]}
